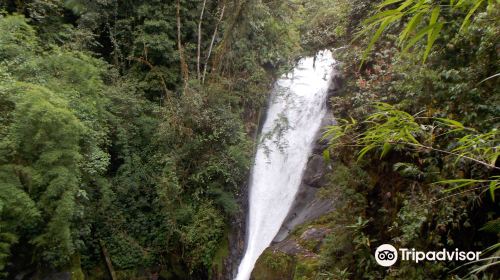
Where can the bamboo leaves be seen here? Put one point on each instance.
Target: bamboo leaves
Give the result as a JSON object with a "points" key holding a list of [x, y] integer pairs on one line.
{"points": [[466, 21], [389, 129], [483, 146], [492, 184], [415, 13], [433, 32], [382, 20], [410, 27]]}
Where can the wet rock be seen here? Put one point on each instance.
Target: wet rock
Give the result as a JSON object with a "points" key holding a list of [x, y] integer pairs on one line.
{"points": [[315, 172], [314, 233], [289, 246], [336, 82], [66, 275], [24, 275]]}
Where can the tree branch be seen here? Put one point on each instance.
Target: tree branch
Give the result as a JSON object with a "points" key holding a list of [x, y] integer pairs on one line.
{"points": [[448, 153]]}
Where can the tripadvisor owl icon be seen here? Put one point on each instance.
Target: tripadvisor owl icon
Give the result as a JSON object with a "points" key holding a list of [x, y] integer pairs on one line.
{"points": [[386, 255]]}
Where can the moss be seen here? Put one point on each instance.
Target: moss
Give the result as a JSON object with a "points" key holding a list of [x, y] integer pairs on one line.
{"points": [[75, 268], [126, 274], [274, 265], [306, 268], [166, 274], [77, 274], [221, 254], [309, 244]]}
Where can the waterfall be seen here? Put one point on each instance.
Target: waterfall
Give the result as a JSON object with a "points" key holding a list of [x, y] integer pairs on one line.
{"points": [[294, 115]]}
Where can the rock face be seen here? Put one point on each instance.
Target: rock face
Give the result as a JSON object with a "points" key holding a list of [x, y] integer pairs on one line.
{"points": [[236, 240], [59, 276], [307, 206], [293, 258]]}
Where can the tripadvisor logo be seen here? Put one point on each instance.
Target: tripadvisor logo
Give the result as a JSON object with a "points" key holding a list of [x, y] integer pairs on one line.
{"points": [[387, 255]]}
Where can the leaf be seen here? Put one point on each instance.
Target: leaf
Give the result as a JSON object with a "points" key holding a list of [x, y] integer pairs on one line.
{"points": [[492, 247], [493, 158], [483, 267], [365, 150], [387, 3], [471, 12], [493, 186], [408, 170], [380, 16], [405, 4], [434, 32], [412, 139], [375, 37], [326, 155], [451, 123], [459, 3], [412, 24], [417, 37], [459, 186], [432, 39], [492, 226], [385, 149]]}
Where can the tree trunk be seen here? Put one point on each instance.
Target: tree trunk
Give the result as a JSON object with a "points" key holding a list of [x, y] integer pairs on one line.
{"points": [[212, 43], [108, 261], [199, 41], [224, 45], [184, 67]]}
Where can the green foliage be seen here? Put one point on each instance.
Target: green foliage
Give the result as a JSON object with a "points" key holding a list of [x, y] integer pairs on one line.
{"points": [[43, 140], [432, 154], [411, 217], [102, 143], [202, 236], [92, 152], [414, 12], [318, 26], [274, 265], [388, 128], [347, 245], [19, 41], [330, 23], [483, 146], [51, 149], [120, 155]]}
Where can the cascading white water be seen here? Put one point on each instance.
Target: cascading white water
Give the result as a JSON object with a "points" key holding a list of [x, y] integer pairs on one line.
{"points": [[293, 119]]}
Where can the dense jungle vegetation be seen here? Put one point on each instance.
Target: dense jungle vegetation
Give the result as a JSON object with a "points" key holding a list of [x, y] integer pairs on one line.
{"points": [[127, 130]]}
